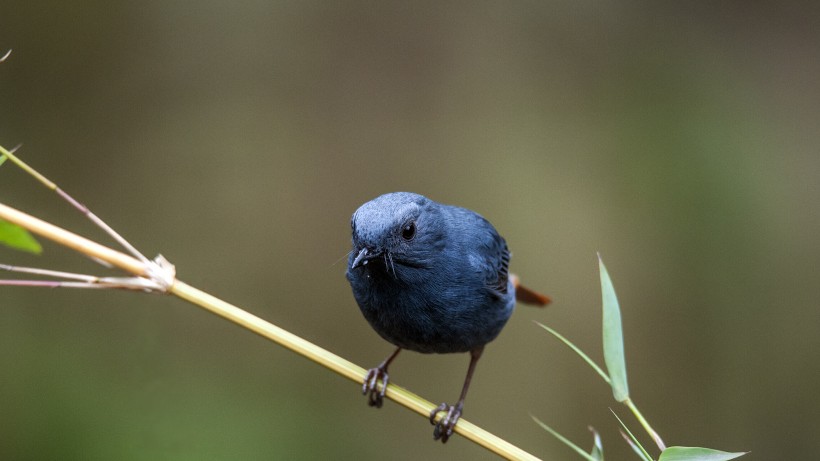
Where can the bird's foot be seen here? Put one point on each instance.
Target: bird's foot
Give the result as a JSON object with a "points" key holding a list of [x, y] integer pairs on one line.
{"points": [[445, 426], [375, 396]]}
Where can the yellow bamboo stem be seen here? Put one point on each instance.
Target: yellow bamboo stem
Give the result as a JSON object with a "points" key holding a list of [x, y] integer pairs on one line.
{"points": [[259, 326], [340, 365], [73, 241]]}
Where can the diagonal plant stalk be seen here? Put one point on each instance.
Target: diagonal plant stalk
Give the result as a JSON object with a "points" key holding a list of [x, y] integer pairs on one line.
{"points": [[649, 430], [159, 276], [74, 203]]}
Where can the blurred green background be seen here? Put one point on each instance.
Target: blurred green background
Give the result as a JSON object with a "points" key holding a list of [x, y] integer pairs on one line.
{"points": [[678, 139]]}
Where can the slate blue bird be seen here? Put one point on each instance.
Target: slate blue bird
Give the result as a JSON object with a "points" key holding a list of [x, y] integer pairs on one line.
{"points": [[431, 278]]}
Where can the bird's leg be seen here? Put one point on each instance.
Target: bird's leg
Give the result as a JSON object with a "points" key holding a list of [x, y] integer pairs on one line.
{"points": [[375, 396], [447, 423]]}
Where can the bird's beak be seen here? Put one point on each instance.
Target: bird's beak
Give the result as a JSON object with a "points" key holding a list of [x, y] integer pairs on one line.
{"points": [[363, 257]]}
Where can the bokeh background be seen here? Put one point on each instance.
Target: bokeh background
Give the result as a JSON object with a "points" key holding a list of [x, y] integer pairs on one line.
{"points": [[679, 139]]}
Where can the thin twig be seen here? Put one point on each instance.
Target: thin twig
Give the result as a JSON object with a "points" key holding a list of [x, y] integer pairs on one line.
{"points": [[50, 273], [75, 204], [51, 284], [73, 280]]}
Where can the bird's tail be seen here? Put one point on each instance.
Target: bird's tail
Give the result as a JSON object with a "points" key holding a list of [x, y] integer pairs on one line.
{"points": [[528, 296]]}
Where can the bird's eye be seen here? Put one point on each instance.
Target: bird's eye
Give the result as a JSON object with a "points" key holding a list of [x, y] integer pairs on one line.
{"points": [[408, 231]]}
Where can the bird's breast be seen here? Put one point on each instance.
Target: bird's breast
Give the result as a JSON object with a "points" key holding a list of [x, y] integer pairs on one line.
{"points": [[429, 315]]}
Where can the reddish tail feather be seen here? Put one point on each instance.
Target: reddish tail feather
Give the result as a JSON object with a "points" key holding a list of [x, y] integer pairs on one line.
{"points": [[528, 296]]}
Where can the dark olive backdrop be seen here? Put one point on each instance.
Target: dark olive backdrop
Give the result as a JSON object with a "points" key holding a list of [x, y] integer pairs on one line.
{"points": [[236, 139]]}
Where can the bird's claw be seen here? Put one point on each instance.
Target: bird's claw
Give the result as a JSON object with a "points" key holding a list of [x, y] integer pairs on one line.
{"points": [[375, 396], [445, 426]]}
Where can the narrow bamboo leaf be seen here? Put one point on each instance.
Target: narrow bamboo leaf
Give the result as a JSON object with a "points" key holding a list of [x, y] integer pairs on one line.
{"points": [[2, 158], [597, 446], [577, 351], [613, 337], [633, 442], [566, 441], [697, 454], [18, 238]]}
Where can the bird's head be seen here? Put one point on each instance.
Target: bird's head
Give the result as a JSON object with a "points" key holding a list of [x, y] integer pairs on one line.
{"points": [[395, 233]]}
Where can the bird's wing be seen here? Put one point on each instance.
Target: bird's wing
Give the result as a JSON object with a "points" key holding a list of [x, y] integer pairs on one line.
{"points": [[501, 270], [489, 248], [490, 256], [499, 275]]}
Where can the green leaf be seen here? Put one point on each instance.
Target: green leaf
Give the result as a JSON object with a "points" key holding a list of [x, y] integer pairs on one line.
{"points": [[566, 441], [577, 351], [2, 158], [597, 446], [697, 454], [613, 337], [633, 442], [18, 238]]}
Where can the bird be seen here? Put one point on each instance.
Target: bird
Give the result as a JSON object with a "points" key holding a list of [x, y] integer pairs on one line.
{"points": [[430, 278]]}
